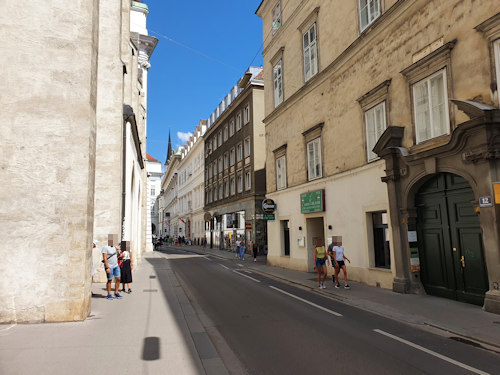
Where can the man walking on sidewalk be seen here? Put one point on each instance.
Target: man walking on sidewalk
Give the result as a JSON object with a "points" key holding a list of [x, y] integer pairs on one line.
{"points": [[110, 259]]}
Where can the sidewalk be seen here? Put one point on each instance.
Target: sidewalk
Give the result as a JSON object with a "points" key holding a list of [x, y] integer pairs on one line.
{"points": [[456, 318], [153, 330]]}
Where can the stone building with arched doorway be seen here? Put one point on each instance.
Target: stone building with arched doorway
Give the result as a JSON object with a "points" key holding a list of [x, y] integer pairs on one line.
{"points": [[445, 223]]}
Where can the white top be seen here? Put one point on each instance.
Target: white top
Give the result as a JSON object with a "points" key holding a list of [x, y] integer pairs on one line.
{"points": [[238, 243], [339, 252], [112, 259], [126, 255]]}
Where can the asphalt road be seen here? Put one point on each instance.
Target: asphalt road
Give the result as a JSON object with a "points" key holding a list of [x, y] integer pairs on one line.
{"points": [[263, 326]]}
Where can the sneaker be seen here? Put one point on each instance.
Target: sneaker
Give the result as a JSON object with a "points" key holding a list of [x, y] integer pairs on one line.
{"points": [[320, 286], [129, 290], [110, 296], [117, 295], [347, 286], [324, 286], [255, 259], [337, 286]]}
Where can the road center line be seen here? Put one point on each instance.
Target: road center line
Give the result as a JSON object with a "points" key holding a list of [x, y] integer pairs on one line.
{"points": [[248, 277], [306, 301], [223, 266], [428, 351]]}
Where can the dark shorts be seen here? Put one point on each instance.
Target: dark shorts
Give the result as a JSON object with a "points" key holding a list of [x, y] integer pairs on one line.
{"points": [[340, 263], [320, 262]]}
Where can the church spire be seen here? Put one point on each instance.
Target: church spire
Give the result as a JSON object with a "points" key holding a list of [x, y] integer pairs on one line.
{"points": [[169, 151]]}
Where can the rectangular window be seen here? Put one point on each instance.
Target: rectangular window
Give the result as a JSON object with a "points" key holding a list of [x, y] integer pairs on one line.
{"points": [[430, 104], [231, 158], [215, 194], [238, 121], [281, 173], [153, 191], [233, 186], [215, 142], [314, 169], [369, 10], [220, 192], [247, 147], [248, 180], [239, 152], [278, 84], [375, 125], [246, 114], [276, 17], [240, 183], [220, 164], [310, 53], [231, 128], [226, 160], [226, 188], [214, 166], [220, 137], [210, 172], [225, 133], [381, 244]]}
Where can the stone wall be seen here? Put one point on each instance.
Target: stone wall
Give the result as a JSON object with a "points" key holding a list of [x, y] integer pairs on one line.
{"points": [[48, 125]]}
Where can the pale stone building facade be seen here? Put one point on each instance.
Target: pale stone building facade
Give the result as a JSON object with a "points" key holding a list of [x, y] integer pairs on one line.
{"points": [[235, 165], [191, 187], [76, 78], [153, 168], [339, 76]]}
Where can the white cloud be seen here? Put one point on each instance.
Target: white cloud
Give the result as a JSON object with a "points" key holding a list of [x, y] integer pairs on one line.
{"points": [[184, 137]]}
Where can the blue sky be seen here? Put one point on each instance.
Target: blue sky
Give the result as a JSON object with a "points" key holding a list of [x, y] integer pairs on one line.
{"points": [[215, 43]]}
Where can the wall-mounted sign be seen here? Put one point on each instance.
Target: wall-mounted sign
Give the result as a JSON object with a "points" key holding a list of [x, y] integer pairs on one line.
{"points": [[269, 217], [414, 260], [313, 201], [485, 202], [412, 236], [259, 216], [268, 206]]}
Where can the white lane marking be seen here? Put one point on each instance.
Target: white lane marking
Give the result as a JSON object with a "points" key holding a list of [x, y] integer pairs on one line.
{"points": [[207, 257], [428, 351], [250, 272], [223, 266], [248, 277], [240, 265], [306, 301]]}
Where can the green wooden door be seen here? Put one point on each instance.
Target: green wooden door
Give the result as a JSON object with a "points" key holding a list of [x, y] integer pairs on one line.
{"points": [[450, 240]]}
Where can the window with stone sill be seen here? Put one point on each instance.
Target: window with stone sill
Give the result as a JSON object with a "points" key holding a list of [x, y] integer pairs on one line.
{"points": [[220, 164], [247, 147], [310, 51], [231, 128], [239, 152], [226, 160], [281, 173], [225, 133], [369, 11], [278, 84], [314, 167], [238, 121], [276, 17], [232, 157], [246, 114], [248, 180], [240, 183], [233, 186], [375, 122], [430, 106]]}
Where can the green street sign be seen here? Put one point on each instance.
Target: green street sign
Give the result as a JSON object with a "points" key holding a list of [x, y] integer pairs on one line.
{"points": [[269, 217], [313, 201]]}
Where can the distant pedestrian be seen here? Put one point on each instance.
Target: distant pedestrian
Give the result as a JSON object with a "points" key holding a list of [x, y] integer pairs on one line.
{"points": [[238, 245], [255, 250], [242, 250], [320, 262], [127, 267], [338, 257], [110, 260], [204, 242]]}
